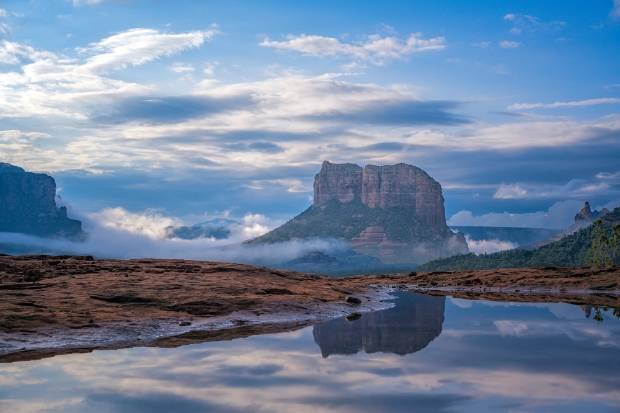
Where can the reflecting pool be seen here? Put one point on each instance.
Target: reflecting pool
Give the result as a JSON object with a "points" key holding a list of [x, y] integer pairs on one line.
{"points": [[426, 354]]}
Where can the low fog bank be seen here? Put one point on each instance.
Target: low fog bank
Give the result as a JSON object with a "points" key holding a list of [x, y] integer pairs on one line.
{"points": [[488, 246], [117, 233]]}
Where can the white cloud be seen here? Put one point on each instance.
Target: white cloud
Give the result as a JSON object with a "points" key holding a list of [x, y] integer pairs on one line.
{"points": [[138, 46], [488, 246], [287, 107], [514, 191], [375, 48], [182, 68], [511, 327], [568, 104], [148, 223], [49, 84], [509, 44], [118, 233]]}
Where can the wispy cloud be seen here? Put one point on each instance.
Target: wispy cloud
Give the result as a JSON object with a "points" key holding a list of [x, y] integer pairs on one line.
{"points": [[615, 11], [524, 23], [375, 48], [567, 104], [602, 184], [509, 44], [139, 46], [78, 3], [43, 83], [558, 216]]}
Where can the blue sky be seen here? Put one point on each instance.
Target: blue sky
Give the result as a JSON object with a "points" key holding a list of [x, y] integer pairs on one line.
{"points": [[198, 109]]}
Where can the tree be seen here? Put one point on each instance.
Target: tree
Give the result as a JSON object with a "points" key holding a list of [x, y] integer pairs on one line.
{"points": [[601, 253], [615, 243]]}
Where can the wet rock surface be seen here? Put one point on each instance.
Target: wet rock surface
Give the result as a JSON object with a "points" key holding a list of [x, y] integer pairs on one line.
{"points": [[107, 303]]}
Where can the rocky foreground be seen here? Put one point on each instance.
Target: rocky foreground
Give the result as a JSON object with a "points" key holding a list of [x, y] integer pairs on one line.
{"points": [[50, 305]]}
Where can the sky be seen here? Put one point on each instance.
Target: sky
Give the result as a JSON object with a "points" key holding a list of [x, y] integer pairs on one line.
{"points": [[189, 110]]}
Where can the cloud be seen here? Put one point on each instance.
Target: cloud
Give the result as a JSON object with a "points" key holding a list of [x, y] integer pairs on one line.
{"points": [[78, 3], [509, 44], [375, 49], [602, 184], [405, 112], [139, 46], [4, 27], [288, 119], [615, 11], [488, 246], [523, 23], [513, 191], [292, 185], [559, 216], [182, 68], [482, 45], [149, 223], [118, 233], [159, 109], [265, 147], [52, 85], [568, 104]]}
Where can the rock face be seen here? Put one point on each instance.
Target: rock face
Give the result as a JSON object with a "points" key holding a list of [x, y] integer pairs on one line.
{"points": [[393, 212], [341, 182], [28, 205], [586, 214], [583, 219], [389, 186]]}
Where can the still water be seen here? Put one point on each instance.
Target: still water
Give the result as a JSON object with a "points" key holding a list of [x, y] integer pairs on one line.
{"points": [[427, 354]]}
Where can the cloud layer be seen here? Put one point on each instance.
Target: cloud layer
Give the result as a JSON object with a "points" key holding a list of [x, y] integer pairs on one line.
{"points": [[376, 49]]}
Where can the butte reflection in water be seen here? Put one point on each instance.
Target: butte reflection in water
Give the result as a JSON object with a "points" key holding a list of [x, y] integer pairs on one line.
{"points": [[405, 329]]}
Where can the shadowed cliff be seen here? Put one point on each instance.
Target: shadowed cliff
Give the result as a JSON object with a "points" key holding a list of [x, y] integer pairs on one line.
{"points": [[28, 205]]}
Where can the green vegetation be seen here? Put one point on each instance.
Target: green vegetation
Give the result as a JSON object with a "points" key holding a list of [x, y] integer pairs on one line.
{"points": [[596, 242], [605, 247], [346, 221]]}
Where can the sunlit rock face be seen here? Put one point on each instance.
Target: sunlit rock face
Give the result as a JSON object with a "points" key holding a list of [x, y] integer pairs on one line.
{"points": [[394, 213], [28, 205], [340, 182], [416, 323]]}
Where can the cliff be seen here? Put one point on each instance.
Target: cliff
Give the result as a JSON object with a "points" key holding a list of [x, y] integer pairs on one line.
{"points": [[393, 212], [28, 205]]}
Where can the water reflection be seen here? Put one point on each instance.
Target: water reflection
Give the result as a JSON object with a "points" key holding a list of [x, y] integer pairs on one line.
{"points": [[406, 329], [477, 357]]}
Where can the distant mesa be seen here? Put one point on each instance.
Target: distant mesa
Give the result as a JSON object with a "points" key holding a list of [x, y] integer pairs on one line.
{"points": [[394, 213], [28, 205], [407, 328]]}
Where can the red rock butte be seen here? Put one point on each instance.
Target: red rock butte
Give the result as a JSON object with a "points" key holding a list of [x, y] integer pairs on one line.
{"points": [[393, 212]]}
